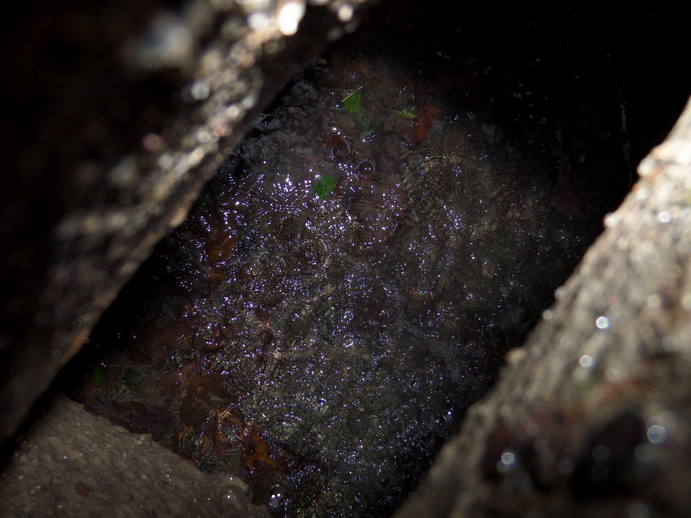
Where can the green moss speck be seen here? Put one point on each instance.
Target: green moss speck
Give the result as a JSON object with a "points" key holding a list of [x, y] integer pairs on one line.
{"points": [[352, 103], [324, 186], [408, 113]]}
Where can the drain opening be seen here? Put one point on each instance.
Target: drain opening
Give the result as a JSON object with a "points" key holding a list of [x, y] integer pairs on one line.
{"points": [[348, 285]]}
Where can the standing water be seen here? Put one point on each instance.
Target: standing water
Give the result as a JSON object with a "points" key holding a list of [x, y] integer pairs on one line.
{"points": [[348, 285]]}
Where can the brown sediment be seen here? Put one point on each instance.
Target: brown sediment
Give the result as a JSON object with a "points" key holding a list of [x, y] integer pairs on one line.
{"points": [[426, 115]]}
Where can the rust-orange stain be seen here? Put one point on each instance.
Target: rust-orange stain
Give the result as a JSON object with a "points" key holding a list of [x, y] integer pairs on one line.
{"points": [[426, 115], [256, 450]]}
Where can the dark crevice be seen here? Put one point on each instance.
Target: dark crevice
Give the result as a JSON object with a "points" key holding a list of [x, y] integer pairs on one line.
{"points": [[349, 283]]}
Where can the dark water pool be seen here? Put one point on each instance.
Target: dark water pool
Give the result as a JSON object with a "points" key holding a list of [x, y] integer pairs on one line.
{"points": [[348, 284]]}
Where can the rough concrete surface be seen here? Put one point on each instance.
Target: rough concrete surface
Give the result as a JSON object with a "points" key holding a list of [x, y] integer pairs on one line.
{"points": [[119, 112], [592, 417], [72, 463], [116, 114]]}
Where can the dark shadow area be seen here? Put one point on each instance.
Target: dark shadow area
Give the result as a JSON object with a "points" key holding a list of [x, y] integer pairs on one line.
{"points": [[349, 283]]}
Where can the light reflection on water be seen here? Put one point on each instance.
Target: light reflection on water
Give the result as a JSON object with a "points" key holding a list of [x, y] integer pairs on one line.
{"points": [[380, 328], [325, 337]]}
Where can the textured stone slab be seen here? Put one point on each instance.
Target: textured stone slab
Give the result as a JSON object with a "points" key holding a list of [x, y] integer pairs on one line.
{"points": [[73, 463]]}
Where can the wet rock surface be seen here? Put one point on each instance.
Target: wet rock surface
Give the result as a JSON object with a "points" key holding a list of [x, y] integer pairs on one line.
{"points": [[73, 463], [115, 116], [348, 284], [592, 416]]}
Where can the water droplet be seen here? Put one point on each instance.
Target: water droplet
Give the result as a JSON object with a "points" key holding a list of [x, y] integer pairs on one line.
{"points": [[664, 216], [258, 21], [602, 322], [199, 90], [345, 13], [507, 462], [657, 434], [586, 361], [276, 498], [289, 16]]}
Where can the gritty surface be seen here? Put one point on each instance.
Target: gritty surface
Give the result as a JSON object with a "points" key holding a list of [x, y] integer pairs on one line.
{"points": [[347, 286], [592, 416], [75, 464], [117, 114]]}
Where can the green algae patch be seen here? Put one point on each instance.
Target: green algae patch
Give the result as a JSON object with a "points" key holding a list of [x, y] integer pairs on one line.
{"points": [[324, 186], [352, 103], [407, 113]]}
